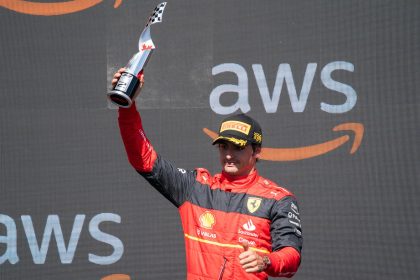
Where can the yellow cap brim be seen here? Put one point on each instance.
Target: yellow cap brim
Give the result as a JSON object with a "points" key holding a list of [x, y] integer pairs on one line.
{"points": [[233, 140]]}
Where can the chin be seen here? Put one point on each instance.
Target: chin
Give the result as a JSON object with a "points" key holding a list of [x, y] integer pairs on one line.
{"points": [[231, 171]]}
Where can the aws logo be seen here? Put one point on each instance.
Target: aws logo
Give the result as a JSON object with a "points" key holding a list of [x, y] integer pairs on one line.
{"points": [[298, 102], [51, 9]]}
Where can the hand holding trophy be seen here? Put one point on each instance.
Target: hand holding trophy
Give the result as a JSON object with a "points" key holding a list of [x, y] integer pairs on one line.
{"points": [[128, 86]]}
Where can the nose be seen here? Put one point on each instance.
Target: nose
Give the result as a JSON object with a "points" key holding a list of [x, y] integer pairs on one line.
{"points": [[229, 153]]}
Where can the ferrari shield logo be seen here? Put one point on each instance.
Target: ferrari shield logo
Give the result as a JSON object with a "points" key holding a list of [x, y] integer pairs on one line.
{"points": [[253, 204]]}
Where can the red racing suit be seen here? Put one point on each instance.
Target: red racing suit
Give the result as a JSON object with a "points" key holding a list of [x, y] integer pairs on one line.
{"points": [[219, 214]]}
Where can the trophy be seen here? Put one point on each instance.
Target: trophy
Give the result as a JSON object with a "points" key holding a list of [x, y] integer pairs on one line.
{"points": [[128, 85]]}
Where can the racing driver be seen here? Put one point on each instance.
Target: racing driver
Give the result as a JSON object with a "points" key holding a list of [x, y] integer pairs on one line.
{"points": [[236, 224]]}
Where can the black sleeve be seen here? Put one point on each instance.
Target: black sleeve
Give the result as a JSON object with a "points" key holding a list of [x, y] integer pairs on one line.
{"points": [[174, 183], [286, 230]]}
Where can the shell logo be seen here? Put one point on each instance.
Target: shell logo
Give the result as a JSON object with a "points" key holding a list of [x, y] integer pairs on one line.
{"points": [[51, 9], [207, 220]]}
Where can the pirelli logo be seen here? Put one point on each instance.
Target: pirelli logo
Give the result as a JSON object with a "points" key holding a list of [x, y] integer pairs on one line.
{"points": [[237, 126]]}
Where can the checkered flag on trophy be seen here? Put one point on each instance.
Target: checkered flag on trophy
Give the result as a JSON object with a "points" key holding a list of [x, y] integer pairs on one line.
{"points": [[156, 16], [145, 40], [128, 85]]}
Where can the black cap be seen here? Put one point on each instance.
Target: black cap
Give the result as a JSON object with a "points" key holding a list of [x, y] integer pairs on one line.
{"points": [[240, 130]]}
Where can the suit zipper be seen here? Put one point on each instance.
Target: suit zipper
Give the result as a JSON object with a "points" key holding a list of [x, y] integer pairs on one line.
{"points": [[222, 269]]}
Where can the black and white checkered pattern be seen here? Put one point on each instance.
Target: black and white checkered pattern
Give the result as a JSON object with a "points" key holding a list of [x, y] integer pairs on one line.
{"points": [[156, 16]]}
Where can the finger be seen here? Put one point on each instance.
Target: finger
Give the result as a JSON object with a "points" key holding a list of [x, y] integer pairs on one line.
{"points": [[116, 76], [122, 69], [255, 266], [252, 270], [115, 79], [141, 76], [255, 269], [245, 245], [249, 264], [245, 254], [247, 259]]}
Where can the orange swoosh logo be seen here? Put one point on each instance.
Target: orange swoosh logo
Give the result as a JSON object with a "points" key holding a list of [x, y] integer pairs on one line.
{"points": [[51, 9], [300, 153], [116, 277]]}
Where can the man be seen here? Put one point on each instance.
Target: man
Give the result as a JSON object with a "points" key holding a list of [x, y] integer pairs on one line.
{"points": [[237, 224]]}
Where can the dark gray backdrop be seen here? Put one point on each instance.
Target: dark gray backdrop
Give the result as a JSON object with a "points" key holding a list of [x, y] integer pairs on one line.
{"points": [[61, 153]]}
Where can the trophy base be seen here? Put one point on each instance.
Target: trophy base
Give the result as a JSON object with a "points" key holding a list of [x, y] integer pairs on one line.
{"points": [[120, 99], [125, 91]]}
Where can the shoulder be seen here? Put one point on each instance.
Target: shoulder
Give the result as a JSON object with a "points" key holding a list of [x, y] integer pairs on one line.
{"points": [[203, 176], [273, 190]]}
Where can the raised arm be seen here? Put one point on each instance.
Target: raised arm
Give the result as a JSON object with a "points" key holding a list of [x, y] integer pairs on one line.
{"points": [[174, 183]]}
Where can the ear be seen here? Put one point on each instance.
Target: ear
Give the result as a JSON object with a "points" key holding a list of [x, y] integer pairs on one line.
{"points": [[257, 152]]}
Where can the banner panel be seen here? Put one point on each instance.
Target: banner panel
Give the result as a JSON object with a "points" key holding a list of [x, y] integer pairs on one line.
{"points": [[332, 83]]}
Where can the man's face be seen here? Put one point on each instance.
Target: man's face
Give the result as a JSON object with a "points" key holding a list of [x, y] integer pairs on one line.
{"points": [[237, 161]]}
